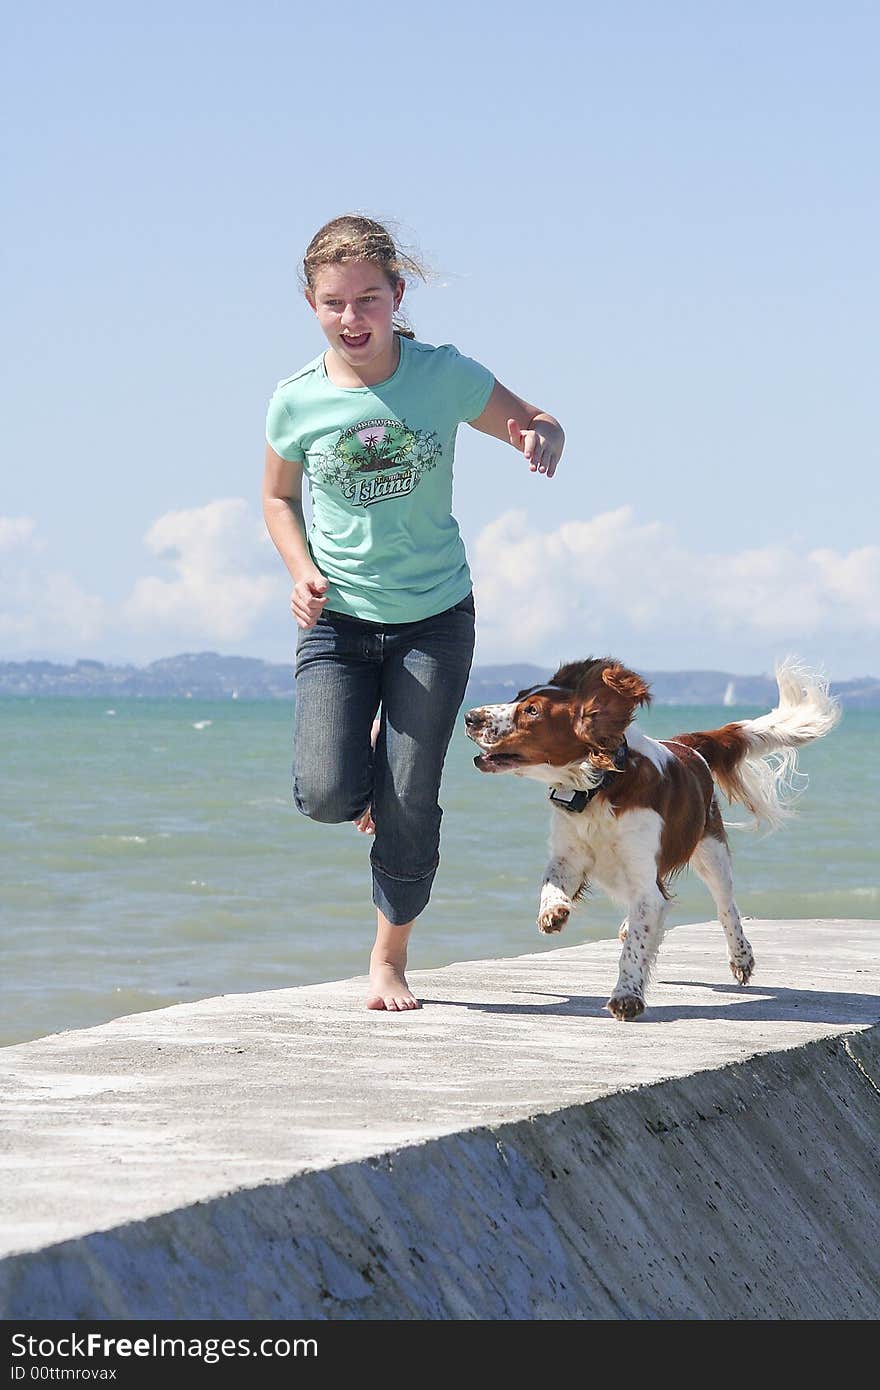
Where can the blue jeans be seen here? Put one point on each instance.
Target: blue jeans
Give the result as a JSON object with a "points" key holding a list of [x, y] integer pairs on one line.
{"points": [[346, 668]]}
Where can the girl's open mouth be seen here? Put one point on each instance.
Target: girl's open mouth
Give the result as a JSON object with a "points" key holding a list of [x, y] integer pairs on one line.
{"points": [[359, 341]]}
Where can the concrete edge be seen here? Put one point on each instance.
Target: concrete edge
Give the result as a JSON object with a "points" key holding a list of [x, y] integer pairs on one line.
{"points": [[747, 1191]]}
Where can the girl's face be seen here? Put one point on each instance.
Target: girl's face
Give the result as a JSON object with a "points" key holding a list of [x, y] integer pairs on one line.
{"points": [[354, 304]]}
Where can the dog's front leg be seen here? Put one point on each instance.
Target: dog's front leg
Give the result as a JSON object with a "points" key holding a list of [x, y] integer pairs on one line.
{"points": [[564, 876], [640, 945]]}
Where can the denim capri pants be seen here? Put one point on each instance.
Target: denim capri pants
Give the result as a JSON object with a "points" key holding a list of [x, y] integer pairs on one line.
{"points": [[345, 669]]}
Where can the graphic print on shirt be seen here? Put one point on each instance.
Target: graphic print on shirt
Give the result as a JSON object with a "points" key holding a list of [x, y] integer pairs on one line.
{"points": [[377, 460]]}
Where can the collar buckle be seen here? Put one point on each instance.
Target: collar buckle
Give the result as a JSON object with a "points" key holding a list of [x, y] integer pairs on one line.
{"points": [[575, 801]]}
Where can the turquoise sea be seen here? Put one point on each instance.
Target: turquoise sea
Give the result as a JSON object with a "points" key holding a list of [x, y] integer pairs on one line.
{"points": [[150, 853]]}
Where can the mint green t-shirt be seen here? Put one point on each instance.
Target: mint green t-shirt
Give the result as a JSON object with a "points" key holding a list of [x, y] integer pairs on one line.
{"points": [[379, 464]]}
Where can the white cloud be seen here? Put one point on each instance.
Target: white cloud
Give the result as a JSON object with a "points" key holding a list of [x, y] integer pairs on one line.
{"points": [[15, 531], [614, 574], [853, 578], [639, 589], [38, 604], [224, 574]]}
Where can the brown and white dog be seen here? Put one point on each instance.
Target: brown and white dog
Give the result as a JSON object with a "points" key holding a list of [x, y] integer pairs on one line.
{"points": [[629, 811]]}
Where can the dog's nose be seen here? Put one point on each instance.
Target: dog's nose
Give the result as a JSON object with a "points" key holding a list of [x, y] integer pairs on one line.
{"points": [[472, 718]]}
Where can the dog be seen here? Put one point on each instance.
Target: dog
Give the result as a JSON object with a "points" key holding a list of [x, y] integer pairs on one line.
{"points": [[629, 812]]}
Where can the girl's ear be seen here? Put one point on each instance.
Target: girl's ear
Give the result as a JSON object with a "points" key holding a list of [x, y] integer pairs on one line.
{"points": [[627, 684], [310, 298], [398, 293]]}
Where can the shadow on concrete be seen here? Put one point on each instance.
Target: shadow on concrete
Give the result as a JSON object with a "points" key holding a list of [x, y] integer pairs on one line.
{"points": [[771, 1004], [569, 1004]]}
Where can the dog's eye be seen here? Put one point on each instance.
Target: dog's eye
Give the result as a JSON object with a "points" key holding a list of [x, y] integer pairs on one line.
{"points": [[531, 709]]}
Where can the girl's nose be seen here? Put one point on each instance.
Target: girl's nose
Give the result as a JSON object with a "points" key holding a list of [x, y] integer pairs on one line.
{"points": [[349, 315]]}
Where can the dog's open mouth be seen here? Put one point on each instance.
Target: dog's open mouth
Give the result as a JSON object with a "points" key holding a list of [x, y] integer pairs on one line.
{"points": [[497, 762]]}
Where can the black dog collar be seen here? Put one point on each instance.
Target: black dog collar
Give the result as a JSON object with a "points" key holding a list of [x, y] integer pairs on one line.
{"points": [[578, 801]]}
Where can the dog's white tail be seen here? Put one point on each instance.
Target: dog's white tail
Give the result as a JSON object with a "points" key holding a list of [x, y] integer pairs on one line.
{"points": [[754, 761]]}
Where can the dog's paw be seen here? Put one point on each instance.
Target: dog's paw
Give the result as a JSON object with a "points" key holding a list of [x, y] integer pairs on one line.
{"points": [[742, 970], [553, 918], [625, 1006]]}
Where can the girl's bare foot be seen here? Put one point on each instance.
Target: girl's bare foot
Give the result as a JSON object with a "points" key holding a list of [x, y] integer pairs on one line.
{"points": [[365, 823], [388, 987]]}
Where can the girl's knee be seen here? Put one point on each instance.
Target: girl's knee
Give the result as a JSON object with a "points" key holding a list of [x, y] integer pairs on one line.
{"points": [[329, 804]]}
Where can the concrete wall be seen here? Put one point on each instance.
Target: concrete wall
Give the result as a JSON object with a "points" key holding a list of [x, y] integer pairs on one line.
{"points": [[508, 1151], [750, 1192]]}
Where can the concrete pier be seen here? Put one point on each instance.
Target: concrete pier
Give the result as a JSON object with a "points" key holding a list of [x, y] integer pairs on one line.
{"points": [[508, 1151]]}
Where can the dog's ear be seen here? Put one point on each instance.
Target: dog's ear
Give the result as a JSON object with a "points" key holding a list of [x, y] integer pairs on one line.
{"points": [[599, 723], [627, 684], [583, 714], [600, 717]]}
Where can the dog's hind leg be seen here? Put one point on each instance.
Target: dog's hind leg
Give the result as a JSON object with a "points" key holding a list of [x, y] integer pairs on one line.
{"points": [[711, 861]]}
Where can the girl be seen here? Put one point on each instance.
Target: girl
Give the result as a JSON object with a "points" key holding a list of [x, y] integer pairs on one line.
{"points": [[381, 587]]}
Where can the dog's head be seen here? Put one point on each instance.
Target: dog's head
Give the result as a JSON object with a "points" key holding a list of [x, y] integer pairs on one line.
{"points": [[581, 713]]}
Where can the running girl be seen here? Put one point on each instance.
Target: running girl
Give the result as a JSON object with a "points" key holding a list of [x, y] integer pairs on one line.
{"points": [[381, 586]]}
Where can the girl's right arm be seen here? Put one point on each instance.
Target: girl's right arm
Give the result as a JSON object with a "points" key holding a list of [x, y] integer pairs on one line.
{"points": [[283, 513]]}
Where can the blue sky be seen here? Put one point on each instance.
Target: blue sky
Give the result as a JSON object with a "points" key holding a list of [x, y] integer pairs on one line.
{"points": [[658, 222]]}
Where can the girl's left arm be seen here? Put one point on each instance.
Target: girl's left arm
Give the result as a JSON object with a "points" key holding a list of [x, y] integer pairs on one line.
{"points": [[537, 435]]}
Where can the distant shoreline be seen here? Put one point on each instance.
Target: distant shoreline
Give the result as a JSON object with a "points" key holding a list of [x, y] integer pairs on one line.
{"points": [[210, 676]]}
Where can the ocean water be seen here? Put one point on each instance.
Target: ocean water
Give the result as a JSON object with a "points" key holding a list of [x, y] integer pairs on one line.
{"points": [[150, 854]]}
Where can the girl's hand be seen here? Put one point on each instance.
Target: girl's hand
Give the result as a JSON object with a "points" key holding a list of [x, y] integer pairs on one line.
{"points": [[308, 598], [542, 444]]}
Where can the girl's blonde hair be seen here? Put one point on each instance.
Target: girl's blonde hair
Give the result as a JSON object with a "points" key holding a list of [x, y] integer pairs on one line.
{"points": [[357, 238]]}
